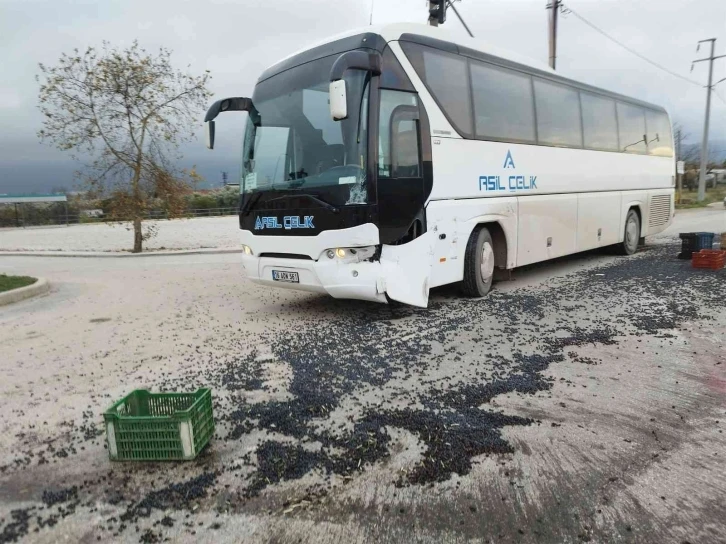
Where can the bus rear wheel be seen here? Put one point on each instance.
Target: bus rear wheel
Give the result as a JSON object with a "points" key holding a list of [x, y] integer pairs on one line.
{"points": [[631, 236], [478, 264]]}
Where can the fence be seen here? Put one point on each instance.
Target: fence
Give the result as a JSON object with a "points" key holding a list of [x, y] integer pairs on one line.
{"points": [[35, 219]]}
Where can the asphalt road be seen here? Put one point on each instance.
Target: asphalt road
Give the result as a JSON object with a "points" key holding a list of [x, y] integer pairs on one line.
{"points": [[583, 401]]}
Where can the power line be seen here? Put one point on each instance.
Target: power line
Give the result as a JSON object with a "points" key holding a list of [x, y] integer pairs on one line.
{"points": [[721, 98], [630, 50]]}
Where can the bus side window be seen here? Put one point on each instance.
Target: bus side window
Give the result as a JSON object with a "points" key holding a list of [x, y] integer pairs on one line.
{"points": [[660, 140], [558, 114], [600, 125], [503, 104], [398, 136], [631, 127]]}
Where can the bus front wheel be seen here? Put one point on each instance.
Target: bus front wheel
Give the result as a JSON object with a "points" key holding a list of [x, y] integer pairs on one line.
{"points": [[478, 264], [631, 236]]}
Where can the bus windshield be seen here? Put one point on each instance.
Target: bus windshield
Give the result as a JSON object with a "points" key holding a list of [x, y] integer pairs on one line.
{"points": [[294, 144]]}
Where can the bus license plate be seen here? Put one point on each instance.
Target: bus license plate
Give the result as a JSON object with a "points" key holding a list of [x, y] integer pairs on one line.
{"points": [[281, 275]]}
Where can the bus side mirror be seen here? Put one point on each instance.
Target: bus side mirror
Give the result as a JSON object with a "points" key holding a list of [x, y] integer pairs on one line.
{"points": [[238, 103], [338, 100], [209, 130], [350, 60]]}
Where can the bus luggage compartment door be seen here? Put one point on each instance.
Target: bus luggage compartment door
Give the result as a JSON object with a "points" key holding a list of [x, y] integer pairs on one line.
{"points": [[407, 268]]}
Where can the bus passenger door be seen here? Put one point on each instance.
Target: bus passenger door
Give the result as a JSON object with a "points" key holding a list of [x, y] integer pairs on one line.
{"points": [[401, 195]]}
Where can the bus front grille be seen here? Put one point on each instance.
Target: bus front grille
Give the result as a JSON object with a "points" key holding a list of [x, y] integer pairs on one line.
{"points": [[660, 210], [287, 256]]}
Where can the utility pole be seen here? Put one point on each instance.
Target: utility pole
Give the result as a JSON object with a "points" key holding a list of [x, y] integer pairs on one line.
{"points": [[678, 138], [704, 144], [679, 157], [554, 6]]}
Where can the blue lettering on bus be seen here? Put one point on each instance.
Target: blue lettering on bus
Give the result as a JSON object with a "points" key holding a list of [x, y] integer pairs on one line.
{"points": [[490, 183], [267, 223], [288, 222], [297, 222], [513, 184]]}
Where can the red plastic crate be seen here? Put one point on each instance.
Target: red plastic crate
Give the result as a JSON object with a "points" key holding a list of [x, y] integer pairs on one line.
{"points": [[712, 259]]}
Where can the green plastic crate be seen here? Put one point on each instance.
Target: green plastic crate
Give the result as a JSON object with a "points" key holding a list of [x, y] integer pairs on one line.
{"points": [[147, 426]]}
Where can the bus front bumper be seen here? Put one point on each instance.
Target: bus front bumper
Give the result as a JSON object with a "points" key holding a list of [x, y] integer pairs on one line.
{"points": [[357, 280]]}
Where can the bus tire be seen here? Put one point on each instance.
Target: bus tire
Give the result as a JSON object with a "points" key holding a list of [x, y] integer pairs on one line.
{"points": [[631, 236], [478, 264]]}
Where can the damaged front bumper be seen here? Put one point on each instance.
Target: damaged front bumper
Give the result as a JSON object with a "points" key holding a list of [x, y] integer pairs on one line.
{"points": [[340, 280], [400, 273]]}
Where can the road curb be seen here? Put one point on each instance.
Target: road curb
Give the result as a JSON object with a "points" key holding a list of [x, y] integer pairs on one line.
{"points": [[118, 255], [21, 293]]}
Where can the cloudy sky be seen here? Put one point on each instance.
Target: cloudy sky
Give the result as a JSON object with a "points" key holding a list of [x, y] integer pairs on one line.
{"points": [[237, 39]]}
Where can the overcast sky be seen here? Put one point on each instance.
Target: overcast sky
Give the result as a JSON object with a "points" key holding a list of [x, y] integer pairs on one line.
{"points": [[237, 39]]}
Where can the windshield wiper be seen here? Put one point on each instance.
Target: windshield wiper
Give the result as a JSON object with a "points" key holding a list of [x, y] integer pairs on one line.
{"points": [[326, 205]]}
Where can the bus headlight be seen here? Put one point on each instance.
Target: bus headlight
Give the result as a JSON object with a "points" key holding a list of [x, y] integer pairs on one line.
{"points": [[247, 250], [351, 254]]}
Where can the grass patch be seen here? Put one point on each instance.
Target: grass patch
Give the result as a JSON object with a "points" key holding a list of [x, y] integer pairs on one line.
{"points": [[13, 282], [689, 199]]}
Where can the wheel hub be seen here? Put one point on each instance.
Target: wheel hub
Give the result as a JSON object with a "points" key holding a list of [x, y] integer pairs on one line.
{"points": [[486, 269], [631, 234]]}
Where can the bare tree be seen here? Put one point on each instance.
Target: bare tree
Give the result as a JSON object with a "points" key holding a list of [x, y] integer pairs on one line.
{"points": [[126, 111], [691, 154]]}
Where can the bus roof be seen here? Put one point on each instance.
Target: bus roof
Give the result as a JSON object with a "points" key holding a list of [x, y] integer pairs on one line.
{"points": [[392, 32], [377, 36]]}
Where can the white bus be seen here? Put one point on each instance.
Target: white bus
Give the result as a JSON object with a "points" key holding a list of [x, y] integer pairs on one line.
{"points": [[385, 162]]}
